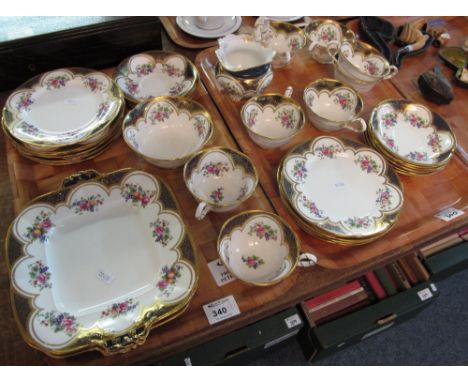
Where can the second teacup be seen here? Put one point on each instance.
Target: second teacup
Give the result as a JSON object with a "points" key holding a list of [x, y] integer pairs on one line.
{"points": [[331, 106], [220, 179]]}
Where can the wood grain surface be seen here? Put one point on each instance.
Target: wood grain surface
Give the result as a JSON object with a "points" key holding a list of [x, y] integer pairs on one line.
{"points": [[424, 196]]}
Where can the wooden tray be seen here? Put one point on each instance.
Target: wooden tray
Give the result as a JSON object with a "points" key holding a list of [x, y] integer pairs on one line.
{"points": [[424, 196]]}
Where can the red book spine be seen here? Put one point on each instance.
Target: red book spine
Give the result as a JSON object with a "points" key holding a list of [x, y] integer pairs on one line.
{"points": [[376, 285], [315, 301]]}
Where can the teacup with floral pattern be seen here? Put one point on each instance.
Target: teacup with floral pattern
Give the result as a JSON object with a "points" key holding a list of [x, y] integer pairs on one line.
{"points": [[331, 106], [220, 179]]}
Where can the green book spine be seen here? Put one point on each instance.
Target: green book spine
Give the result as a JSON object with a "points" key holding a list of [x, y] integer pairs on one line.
{"points": [[386, 281]]}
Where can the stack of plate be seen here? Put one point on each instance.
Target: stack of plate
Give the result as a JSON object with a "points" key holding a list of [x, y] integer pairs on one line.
{"points": [[339, 190], [64, 116], [414, 140]]}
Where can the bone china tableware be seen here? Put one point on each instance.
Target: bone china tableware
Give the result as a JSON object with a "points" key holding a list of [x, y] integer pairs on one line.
{"points": [[96, 265], [284, 38], [220, 179], [324, 33], [155, 73], [260, 248], [166, 131], [360, 65], [340, 190], [414, 140], [272, 119], [66, 109], [332, 105], [193, 26]]}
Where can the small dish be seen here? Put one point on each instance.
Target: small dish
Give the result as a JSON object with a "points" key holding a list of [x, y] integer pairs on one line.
{"points": [[284, 38], [324, 33], [260, 248], [155, 73], [166, 131], [332, 105], [272, 120], [286, 19], [220, 179], [189, 25], [243, 57]]}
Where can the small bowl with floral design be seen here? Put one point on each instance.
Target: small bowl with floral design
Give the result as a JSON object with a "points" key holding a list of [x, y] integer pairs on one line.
{"points": [[220, 179], [331, 106], [284, 38], [260, 248], [166, 131], [155, 73], [272, 120], [324, 33]]}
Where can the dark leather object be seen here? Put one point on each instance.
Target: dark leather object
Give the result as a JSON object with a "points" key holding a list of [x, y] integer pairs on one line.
{"points": [[380, 33], [435, 87]]}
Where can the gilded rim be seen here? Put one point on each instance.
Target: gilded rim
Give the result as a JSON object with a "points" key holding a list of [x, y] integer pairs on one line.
{"points": [[283, 100], [139, 111], [228, 151], [191, 72], [329, 85], [275, 217], [99, 340], [347, 33]]}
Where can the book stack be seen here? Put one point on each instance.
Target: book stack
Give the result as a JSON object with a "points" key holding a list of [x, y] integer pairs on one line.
{"points": [[371, 287]]}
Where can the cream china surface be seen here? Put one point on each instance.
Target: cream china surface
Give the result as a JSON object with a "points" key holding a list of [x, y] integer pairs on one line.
{"points": [[194, 26], [283, 37], [258, 247], [62, 107], [237, 88], [242, 56], [331, 106], [98, 264], [271, 119], [166, 131], [340, 187], [156, 73], [220, 179], [325, 33], [412, 133]]}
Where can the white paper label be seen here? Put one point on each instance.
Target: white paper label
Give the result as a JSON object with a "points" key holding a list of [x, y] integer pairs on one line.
{"points": [[104, 276], [425, 294], [188, 361], [449, 214], [221, 309], [280, 339], [219, 272], [293, 321]]}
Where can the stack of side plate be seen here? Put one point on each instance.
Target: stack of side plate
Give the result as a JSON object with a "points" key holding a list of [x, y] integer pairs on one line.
{"points": [[340, 191], [414, 140], [64, 116]]}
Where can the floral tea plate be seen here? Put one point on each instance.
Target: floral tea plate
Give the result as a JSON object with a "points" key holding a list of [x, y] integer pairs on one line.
{"points": [[341, 188], [220, 179], [332, 105], [62, 107], [166, 131], [411, 133], [96, 265], [272, 119], [260, 248], [155, 73], [190, 25]]}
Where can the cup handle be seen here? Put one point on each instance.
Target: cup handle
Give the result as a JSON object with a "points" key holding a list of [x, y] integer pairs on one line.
{"points": [[312, 45], [288, 92], [202, 210], [391, 72], [357, 125], [307, 260], [333, 50]]}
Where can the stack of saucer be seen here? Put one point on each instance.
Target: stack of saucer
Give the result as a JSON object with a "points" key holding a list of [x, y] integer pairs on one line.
{"points": [[340, 191], [414, 140], [64, 116]]}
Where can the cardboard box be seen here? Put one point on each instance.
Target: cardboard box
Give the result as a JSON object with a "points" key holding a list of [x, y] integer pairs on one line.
{"points": [[320, 341], [447, 262], [244, 344]]}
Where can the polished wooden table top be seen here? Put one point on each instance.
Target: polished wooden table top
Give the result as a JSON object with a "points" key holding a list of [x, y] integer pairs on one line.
{"points": [[28, 180]]}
